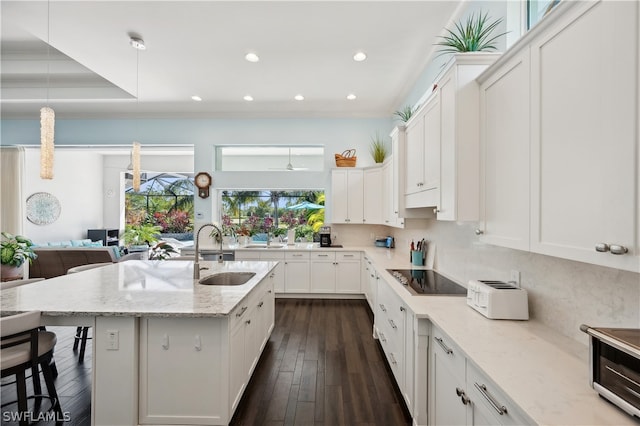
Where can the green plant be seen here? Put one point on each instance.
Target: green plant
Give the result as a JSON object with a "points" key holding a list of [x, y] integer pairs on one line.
{"points": [[15, 250], [378, 149], [405, 113], [304, 231], [161, 251], [141, 234], [472, 36]]}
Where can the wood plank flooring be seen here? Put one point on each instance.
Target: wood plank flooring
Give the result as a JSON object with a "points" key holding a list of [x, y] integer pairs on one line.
{"points": [[320, 367]]}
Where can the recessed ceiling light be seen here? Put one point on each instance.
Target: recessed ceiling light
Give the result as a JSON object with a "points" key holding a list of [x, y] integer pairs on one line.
{"points": [[248, 98], [252, 57], [298, 98], [351, 96], [137, 43], [359, 56], [196, 98]]}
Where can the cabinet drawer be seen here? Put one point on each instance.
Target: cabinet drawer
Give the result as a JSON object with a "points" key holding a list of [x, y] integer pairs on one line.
{"points": [[247, 255], [449, 353], [270, 255], [491, 400], [348, 255], [323, 255], [296, 256]]}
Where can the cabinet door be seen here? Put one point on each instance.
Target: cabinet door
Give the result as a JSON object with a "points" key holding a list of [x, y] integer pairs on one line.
{"points": [[323, 273], [431, 171], [296, 276], [355, 196], [504, 138], [372, 192], [414, 154], [339, 196], [447, 380], [409, 359], [252, 340], [387, 194], [584, 124], [348, 273], [237, 376], [447, 205]]}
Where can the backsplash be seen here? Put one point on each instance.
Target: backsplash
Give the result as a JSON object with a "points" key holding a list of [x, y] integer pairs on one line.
{"points": [[562, 293]]}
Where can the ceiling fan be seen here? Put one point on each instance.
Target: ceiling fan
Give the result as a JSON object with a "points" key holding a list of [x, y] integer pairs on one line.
{"points": [[289, 166]]}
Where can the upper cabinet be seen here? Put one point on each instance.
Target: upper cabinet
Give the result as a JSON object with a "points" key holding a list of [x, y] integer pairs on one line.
{"points": [[442, 151], [560, 138], [347, 195], [372, 194]]}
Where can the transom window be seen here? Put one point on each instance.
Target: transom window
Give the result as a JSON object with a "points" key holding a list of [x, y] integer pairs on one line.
{"points": [[252, 158]]}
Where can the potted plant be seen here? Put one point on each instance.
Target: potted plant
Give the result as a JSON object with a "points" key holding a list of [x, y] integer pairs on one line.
{"points": [[378, 149], [14, 251], [145, 234], [405, 113], [472, 36]]}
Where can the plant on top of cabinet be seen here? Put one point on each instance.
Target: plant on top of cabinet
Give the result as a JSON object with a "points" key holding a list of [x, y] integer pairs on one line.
{"points": [[472, 36], [405, 113], [378, 148]]}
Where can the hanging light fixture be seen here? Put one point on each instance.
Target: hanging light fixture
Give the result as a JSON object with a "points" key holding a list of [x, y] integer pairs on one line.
{"points": [[138, 44], [47, 124]]}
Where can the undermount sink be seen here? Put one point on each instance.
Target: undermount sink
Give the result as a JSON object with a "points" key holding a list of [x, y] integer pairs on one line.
{"points": [[227, 278], [271, 246]]}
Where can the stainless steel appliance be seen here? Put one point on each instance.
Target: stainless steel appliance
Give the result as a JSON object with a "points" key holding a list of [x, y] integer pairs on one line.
{"points": [[614, 359], [498, 299], [427, 282], [325, 236]]}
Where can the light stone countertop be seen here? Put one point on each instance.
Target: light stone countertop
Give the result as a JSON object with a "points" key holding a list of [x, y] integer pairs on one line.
{"points": [[545, 373], [136, 288]]}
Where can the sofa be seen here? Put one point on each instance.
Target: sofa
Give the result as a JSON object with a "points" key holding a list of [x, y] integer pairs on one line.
{"points": [[54, 261]]}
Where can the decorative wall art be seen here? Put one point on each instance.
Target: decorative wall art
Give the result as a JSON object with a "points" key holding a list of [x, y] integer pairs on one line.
{"points": [[42, 208]]}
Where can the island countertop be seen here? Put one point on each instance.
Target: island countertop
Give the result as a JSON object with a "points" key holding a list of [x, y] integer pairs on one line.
{"points": [[136, 288]]}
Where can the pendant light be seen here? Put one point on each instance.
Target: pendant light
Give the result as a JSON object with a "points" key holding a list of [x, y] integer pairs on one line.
{"points": [[47, 123], [138, 44]]}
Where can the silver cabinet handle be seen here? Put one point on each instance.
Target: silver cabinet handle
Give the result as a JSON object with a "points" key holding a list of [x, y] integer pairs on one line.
{"points": [[602, 247], [393, 324], [323, 255], [463, 396], [436, 210], [383, 308], [393, 358], [239, 314], [347, 255], [248, 322], [479, 231], [402, 309], [617, 249], [260, 304], [501, 409], [447, 349]]}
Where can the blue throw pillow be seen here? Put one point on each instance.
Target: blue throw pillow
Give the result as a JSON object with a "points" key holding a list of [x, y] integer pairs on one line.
{"points": [[116, 251], [80, 243]]}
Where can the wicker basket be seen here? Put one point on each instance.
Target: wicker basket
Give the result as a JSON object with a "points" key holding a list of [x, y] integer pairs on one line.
{"points": [[347, 158]]}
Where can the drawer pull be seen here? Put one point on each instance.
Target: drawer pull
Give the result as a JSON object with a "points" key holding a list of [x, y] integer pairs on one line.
{"points": [[347, 255], [463, 396], [616, 249], [381, 336], [447, 349], [239, 314], [393, 359], [402, 309], [260, 304], [323, 255], [248, 322], [501, 409], [393, 324], [383, 308]]}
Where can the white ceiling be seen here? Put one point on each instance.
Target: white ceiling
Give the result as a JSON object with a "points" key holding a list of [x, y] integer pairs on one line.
{"points": [[198, 48]]}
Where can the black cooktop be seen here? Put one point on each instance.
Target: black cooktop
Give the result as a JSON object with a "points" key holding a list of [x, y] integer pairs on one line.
{"points": [[427, 282]]}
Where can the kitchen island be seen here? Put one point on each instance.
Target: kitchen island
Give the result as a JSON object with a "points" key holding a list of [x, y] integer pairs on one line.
{"points": [[166, 348]]}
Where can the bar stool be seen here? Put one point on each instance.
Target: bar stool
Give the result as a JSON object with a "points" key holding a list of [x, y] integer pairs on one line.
{"points": [[24, 346], [82, 333]]}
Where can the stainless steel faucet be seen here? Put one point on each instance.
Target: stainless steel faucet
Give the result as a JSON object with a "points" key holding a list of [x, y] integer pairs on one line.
{"points": [[196, 262]]}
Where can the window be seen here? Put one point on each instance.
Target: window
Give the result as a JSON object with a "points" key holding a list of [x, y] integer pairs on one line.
{"points": [[254, 213], [538, 9], [164, 200], [256, 158]]}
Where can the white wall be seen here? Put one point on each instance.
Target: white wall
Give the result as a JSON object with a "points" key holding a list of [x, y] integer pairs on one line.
{"points": [[76, 184]]}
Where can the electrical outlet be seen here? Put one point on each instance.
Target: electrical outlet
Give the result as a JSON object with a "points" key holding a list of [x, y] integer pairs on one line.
{"points": [[113, 340], [515, 277]]}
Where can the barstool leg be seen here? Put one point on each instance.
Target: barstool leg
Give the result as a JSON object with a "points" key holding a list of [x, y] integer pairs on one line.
{"points": [[76, 339], [21, 388], [51, 388], [83, 345]]}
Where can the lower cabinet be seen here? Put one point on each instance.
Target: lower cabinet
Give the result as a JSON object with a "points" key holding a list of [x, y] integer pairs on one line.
{"points": [[296, 272], [369, 282], [460, 394], [195, 370]]}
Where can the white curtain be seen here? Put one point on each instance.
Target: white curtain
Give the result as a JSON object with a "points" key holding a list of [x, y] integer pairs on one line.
{"points": [[11, 181]]}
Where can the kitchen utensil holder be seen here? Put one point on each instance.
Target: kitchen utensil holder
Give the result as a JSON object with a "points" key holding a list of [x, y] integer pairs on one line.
{"points": [[416, 258]]}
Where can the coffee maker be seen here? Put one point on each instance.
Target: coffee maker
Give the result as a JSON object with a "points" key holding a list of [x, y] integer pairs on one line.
{"points": [[325, 236]]}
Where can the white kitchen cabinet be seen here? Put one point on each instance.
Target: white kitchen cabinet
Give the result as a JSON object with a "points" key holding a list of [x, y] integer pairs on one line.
{"points": [[423, 156], [410, 334], [277, 274], [584, 133], [212, 357], [389, 215], [505, 145], [296, 272], [397, 182], [335, 272], [347, 195], [369, 282], [347, 269], [372, 195]]}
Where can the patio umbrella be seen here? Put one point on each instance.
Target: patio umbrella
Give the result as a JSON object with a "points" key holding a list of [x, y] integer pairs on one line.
{"points": [[305, 205]]}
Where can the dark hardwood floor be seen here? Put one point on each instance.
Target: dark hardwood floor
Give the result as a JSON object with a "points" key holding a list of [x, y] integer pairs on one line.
{"points": [[320, 367]]}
